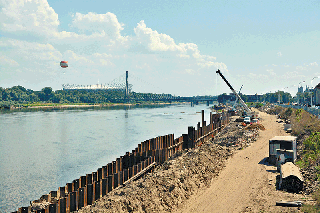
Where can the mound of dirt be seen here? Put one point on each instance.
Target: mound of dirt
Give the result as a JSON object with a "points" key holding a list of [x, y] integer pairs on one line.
{"points": [[256, 126], [177, 179]]}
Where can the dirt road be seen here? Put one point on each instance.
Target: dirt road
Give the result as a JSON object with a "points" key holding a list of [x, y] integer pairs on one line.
{"points": [[247, 183]]}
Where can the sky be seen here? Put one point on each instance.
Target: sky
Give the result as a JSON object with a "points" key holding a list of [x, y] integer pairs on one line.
{"points": [[172, 47]]}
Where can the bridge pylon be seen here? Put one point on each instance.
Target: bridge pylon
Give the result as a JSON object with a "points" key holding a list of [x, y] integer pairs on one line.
{"points": [[126, 95]]}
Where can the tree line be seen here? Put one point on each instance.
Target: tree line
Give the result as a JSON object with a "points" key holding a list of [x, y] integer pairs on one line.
{"points": [[285, 97], [18, 95]]}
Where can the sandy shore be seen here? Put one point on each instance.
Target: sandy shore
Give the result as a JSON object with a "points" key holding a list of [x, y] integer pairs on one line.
{"points": [[66, 106]]}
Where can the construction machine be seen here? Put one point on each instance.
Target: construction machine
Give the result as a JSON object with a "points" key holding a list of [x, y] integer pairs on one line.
{"points": [[236, 101], [248, 112]]}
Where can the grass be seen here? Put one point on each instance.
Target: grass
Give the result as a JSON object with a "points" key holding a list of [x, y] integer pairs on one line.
{"points": [[313, 208], [311, 152]]}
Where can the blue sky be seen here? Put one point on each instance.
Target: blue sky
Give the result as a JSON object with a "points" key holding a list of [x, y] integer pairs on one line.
{"points": [[167, 46]]}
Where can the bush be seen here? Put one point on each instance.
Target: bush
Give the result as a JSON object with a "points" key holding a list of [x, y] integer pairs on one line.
{"points": [[285, 114], [275, 110], [305, 126], [304, 123], [311, 152], [313, 208]]}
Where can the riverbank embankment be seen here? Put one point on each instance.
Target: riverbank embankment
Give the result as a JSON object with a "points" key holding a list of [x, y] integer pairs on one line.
{"points": [[91, 187], [180, 178], [228, 173]]}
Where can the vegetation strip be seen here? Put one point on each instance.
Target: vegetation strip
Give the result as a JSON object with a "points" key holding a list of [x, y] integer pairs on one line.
{"points": [[307, 128]]}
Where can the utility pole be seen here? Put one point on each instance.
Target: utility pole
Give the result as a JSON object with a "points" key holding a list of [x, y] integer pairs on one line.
{"points": [[127, 88]]}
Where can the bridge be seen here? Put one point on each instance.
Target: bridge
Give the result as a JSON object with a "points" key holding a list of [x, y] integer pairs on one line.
{"points": [[121, 84]]}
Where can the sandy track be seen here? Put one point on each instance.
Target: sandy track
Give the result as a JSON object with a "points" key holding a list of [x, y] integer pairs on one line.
{"points": [[247, 183]]}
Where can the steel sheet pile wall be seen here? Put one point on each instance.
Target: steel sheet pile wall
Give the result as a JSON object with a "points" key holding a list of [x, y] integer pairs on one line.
{"points": [[87, 189]]}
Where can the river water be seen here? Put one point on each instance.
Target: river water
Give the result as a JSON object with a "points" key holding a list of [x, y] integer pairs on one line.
{"points": [[42, 150]]}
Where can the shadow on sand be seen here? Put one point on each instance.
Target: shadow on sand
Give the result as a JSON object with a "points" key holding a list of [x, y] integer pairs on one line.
{"points": [[265, 162]]}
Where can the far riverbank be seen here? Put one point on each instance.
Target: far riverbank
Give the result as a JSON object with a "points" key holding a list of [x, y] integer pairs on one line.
{"points": [[69, 106]]}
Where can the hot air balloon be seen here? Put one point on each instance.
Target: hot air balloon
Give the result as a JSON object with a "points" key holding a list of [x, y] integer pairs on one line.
{"points": [[64, 64]]}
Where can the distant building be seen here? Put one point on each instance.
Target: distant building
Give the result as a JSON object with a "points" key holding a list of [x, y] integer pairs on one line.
{"points": [[300, 89], [317, 95], [120, 87], [308, 89]]}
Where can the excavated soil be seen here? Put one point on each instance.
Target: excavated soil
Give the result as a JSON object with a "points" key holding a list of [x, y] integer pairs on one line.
{"points": [[227, 174]]}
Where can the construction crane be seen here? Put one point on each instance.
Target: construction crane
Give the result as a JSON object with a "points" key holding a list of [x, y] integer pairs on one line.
{"points": [[236, 101], [248, 111]]}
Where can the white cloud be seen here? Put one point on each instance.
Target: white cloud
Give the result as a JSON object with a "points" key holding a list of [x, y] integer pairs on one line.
{"points": [[105, 24], [4, 60], [76, 58], [293, 75], [35, 17], [271, 72], [152, 40], [25, 51], [279, 54], [314, 64], [301, 68]]}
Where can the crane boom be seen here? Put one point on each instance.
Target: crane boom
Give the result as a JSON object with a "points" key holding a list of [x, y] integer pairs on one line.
{"points": [[236, 101], [238, 96]]}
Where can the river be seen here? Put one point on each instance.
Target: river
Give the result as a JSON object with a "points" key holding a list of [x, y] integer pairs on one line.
{"points": [[41, 150]]}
